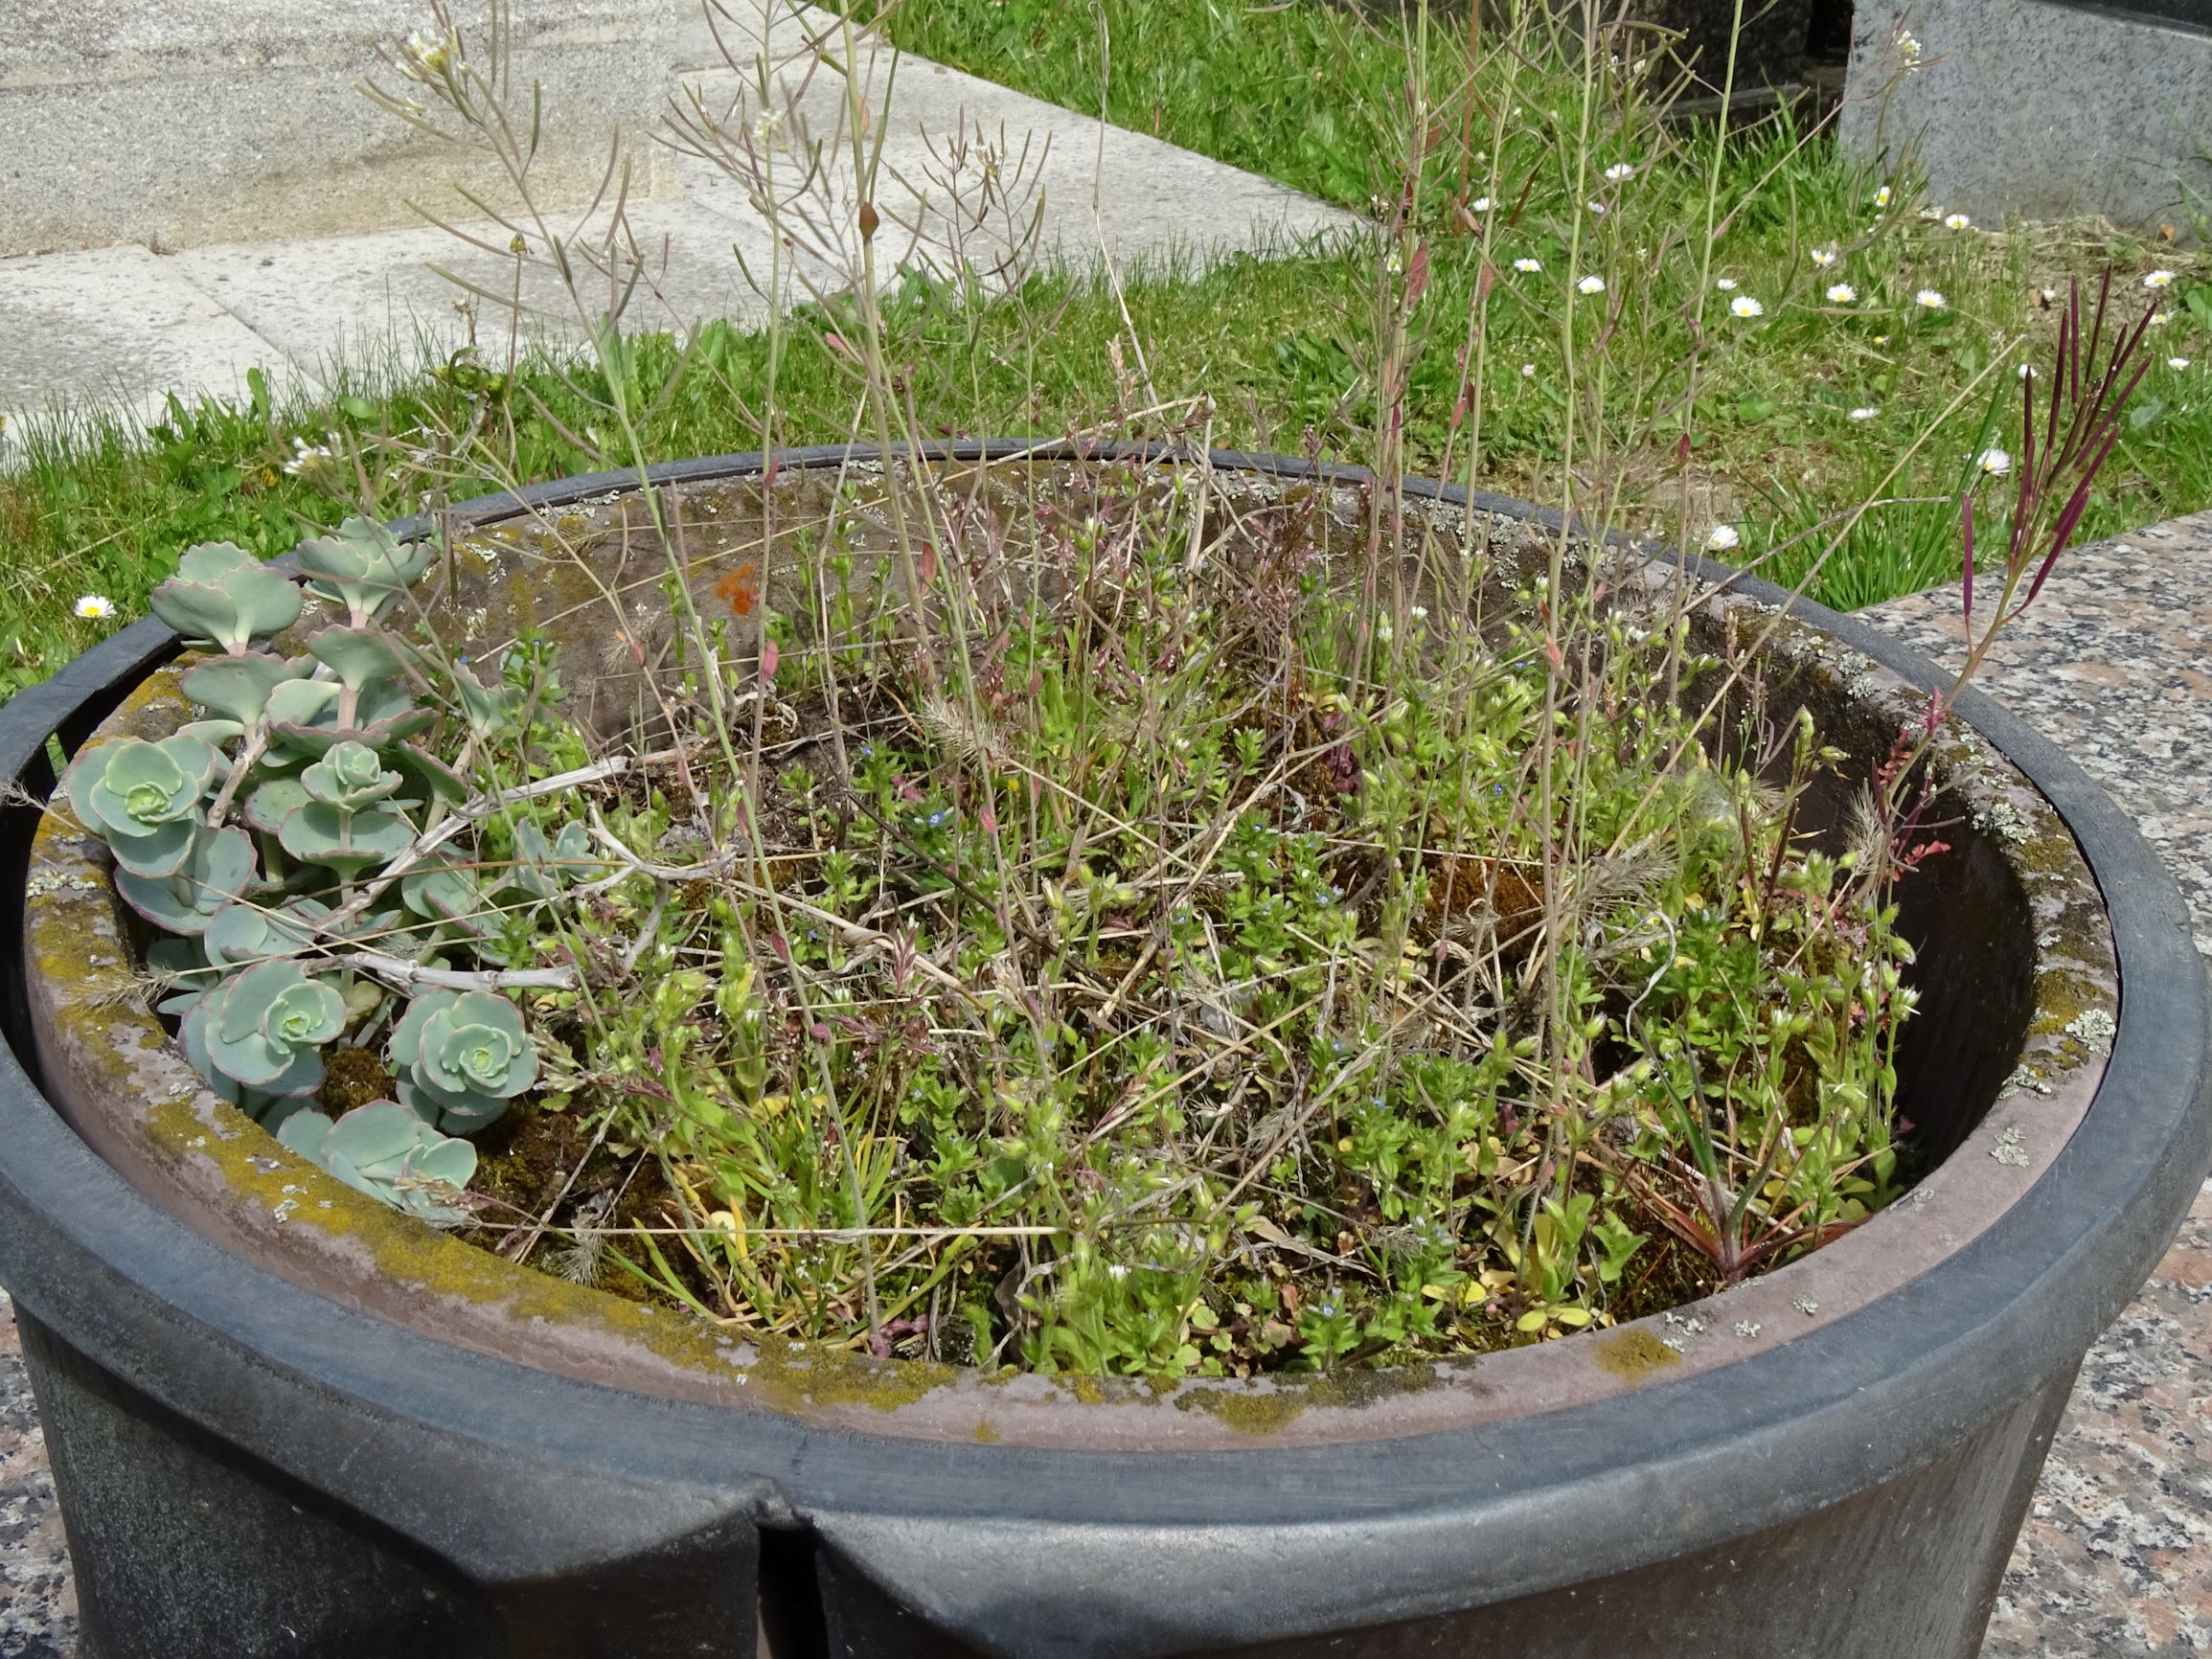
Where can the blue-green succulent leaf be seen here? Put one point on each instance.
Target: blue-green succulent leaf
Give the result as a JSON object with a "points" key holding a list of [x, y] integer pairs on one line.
{"points": [[273, 802], [346, 842], [360, 657], [239, 688]]}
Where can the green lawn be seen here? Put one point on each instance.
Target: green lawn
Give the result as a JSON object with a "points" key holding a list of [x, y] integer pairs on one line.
{"points": [[1291, 353]]}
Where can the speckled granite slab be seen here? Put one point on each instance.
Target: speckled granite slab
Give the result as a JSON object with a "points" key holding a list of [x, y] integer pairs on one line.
{"points": [[2115, 662]]}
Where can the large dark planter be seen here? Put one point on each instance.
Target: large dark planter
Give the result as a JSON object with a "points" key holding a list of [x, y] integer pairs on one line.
{"points": [[320, 1429]]}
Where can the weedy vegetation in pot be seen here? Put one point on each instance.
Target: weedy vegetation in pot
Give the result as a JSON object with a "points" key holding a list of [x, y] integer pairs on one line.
{"points": [[1087, 911]]}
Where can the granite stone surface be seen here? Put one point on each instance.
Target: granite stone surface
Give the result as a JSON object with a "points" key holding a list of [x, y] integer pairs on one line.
{"points": [[2114, 661]]}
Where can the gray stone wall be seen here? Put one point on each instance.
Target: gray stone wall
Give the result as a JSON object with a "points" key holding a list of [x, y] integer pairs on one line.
{"points": [[2029, 110]]}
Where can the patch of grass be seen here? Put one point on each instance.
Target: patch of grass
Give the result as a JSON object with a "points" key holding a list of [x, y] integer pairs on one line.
{"points": [[1287, 349]]}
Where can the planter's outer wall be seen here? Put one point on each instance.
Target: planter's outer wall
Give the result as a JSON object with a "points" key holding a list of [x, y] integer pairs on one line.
{"points": [[1854, 1491]]}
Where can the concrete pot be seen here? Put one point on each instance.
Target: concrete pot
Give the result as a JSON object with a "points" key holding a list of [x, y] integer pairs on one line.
{"points": [[317, 1428]]}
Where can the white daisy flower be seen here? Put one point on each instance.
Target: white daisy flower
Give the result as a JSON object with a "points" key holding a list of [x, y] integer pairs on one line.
{"points": [[1620, 169], [1956, 222], [2159, 280], [1929, 213], [94, 608], [2159, 319], [1591, 285], [1881, 339], [1824, 257], [1995, 462], [1482, 204], [2176, 362], [1882, 196], [1528, 266], [1596, 206], [307, 458], [1722, 537], [1864, 412], [1929, 300], [1745, 305], [1842, 293], [1727, 285]]}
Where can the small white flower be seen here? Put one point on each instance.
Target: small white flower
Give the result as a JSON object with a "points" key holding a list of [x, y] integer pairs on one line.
{"points": [[1995, 462], [1528, 266], [1907, 48], [1727, 285], [2027, 370], [1881, 339], [1929, 213], [2159, 319], [1929, 300], [1620, 169], [1396, 263], [1956, 222], [1482, 204], [1596, 206], [1824, 257], [1721, 538], [1745, 305], [767, 126], [1419, 613], [307, 457], [1881, 197], [2159, 280], [1528, 371], [2176, 362], [1842, 293], [94, 608], [1591, 285], [1864, 412], [427, 56]]}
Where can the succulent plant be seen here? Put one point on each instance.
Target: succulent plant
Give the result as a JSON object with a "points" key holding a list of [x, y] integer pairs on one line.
{"points": [[350, 775], [460, 1057], [263, 1027], [236, 691], [144, 799], [543, 866], [223, 596], [240, 935], [387, 1151], [363, 566], [219, 868]]}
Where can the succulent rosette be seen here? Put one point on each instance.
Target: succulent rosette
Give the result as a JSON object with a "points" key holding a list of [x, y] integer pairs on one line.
{"points": [[363, 566], [224, 596], [144, 799], [263, 1027], [350, 775], [460, 1057]]}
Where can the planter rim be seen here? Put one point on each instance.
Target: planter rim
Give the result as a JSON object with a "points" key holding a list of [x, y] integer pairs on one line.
{"points": [[1395, 1521]]}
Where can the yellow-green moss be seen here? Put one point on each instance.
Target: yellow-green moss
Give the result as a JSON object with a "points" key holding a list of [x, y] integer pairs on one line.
{"points": [[1632, 1356]]}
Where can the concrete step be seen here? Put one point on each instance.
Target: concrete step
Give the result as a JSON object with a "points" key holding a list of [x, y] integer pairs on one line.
{"points": [[968, 173]]}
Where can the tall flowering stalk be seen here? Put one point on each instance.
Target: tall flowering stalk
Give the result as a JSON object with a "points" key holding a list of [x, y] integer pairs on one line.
{"points": [[2080, 426], [2081, 422]]}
